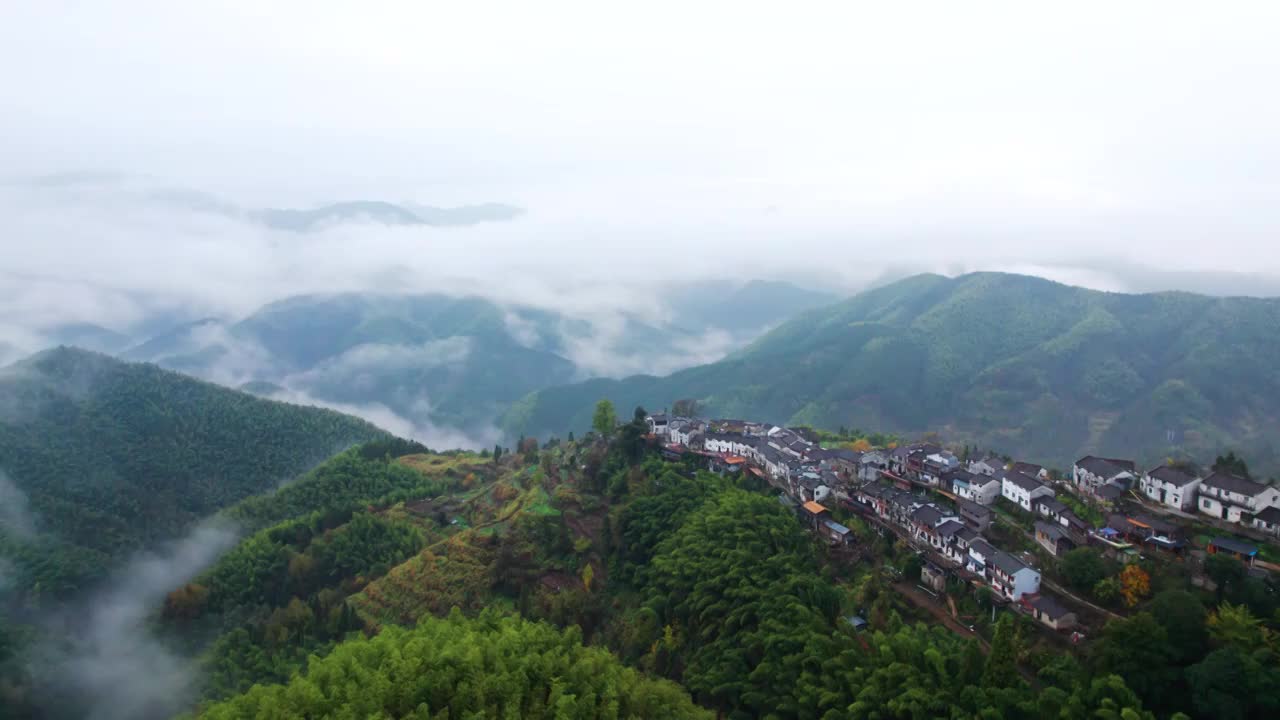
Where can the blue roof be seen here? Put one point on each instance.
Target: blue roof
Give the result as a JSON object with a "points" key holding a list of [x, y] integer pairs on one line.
{"points": [[836, 526]]}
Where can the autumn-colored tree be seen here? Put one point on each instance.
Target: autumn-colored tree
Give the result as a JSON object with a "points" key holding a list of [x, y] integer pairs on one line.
{"points": [[588, 574], [1135, 584], [186, 603], [860, 445]]}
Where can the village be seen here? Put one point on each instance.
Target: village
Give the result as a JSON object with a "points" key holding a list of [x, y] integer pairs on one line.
{"points": [[945, 507]]}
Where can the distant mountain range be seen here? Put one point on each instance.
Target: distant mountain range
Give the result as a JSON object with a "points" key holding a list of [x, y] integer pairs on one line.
{"points": [[1014, 363], [454, 362], [150, 192]]}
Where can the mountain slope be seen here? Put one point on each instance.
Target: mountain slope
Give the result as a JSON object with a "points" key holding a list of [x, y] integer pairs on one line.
{"points": [[108, 458], [1016, 363]]}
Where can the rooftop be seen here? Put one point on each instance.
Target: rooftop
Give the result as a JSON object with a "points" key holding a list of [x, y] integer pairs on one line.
{"points": [[1171, 475], [1234, 484], [1026, 482], [814, 507], [1105, 467], [1050, 607], [1235, 546]]}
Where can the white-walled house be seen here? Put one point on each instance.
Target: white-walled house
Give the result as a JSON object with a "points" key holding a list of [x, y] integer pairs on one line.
{"points": [[983, 489], [1235, 499], [1268, 521], [1091, 472], [989, 466], [1022, 490], [1170, 486], [657, 424], [1011, 577]]}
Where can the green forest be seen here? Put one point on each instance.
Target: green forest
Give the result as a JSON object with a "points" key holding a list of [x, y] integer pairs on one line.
{"points": [[110, 458], [660, 571], [1041, 370], [589, 578]]}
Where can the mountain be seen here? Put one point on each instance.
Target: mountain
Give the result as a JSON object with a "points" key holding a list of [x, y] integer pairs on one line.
{"points": [[383, 213], [100, 459], [1019, 364], [745, 308], [439, 361], [430, 359]]}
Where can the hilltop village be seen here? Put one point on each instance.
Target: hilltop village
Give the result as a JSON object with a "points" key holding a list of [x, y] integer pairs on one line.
{"points": [[944, 506]]}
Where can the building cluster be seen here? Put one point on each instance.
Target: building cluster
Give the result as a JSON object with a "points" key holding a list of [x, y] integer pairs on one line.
{"points": [[949, 526]]}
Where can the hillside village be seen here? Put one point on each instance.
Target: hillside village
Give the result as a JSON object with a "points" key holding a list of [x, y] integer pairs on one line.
{"points": [[944, 507]]}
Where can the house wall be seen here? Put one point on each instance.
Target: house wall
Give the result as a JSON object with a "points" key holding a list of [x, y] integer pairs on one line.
{"points": [[1025, 582], [1066, 622]]}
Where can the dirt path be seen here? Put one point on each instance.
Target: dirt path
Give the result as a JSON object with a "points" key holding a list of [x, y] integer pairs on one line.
{"points": [[922, 600]]}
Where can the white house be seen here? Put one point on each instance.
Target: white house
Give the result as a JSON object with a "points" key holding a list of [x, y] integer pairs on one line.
{"points": [[1022, 490], [1091, 473], [1170, 486], [989, 466], [982, 489], [1012, 577], [657, 424], [1233, 498], [1268, 521], [870, 465]]}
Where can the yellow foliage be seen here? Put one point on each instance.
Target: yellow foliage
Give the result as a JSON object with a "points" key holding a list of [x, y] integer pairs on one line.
{"points": [[1135, 584]]}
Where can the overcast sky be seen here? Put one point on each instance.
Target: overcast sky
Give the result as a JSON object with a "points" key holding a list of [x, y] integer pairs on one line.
{"points": [[819, 140]]}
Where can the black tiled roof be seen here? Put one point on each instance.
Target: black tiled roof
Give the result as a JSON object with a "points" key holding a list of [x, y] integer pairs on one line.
{"points": [[1171, 475], [1234, 484]]}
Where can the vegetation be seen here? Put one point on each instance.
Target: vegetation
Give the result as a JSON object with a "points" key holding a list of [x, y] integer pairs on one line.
{"points": [[111, 458], [490, 666], [1039, 369]]}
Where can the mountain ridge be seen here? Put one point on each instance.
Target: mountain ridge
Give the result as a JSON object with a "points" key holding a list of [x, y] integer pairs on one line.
{"points": [[1017, 363]]}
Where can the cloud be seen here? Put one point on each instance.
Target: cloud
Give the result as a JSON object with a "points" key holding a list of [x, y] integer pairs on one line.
{"points": [[15, 514], [419, 428], [105, 657]]}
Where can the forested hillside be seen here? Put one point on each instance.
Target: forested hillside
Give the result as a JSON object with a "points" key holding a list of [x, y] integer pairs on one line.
{"points": [[100, 459], [683, 575], [1024, 365]]}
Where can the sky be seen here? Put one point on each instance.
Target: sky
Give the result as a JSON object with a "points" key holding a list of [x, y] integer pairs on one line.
{"points": [[826, 142]]}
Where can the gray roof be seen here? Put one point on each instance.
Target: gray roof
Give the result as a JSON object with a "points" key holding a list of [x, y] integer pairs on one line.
{"points": [[1049, 606], [949, 528], [1054, 505], [1237, 546], [1052, 531], [1008, 563], [927, 515], [1105, 467], [1031, 469], [1110, 492], [967, 534], [1171, 475], [983, 548], [1026, 482], [1269, 515], [973, 509], [1234, 484], [787, 501]]}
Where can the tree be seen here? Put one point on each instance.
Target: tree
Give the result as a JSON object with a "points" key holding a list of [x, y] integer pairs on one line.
{"points": [[1135, 584], [1182, 616], [1107, 590], [1231, 684], [1138, 650], [686, 407], [1225, 571], [1001, 670], [1083, 568], [639, 415], [497, 453], [1231, 465], [605, 419], [860, 445], [1234, 625], [588, 574]]}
